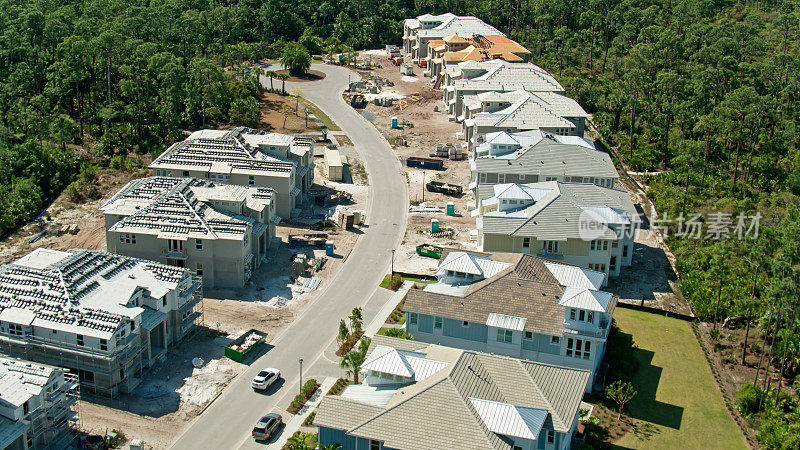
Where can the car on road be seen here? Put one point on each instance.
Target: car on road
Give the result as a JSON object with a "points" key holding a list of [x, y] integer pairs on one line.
{"points": [[265, 378], [267, 426]]}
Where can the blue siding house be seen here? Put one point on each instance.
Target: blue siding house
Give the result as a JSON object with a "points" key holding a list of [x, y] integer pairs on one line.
{"points": [[515, 305]]}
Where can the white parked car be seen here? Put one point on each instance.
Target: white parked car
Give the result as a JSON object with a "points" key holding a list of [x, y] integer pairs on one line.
{"points": [[265, 378]]}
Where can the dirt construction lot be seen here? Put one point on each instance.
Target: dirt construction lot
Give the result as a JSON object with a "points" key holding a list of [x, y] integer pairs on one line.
{"points": [[427, 129]]}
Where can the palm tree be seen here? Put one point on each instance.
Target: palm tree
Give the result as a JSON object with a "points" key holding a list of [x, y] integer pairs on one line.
{"points": [[352, 360], [283, 77], [271, 74], [296, 59]]}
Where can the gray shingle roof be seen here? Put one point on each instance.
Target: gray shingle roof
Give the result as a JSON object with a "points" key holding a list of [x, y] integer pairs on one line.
{"points": [[548, 157], [556, 217], [441, 416]]}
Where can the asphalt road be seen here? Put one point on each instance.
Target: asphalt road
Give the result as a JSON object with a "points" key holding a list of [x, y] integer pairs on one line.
{"points": [[229, 419]]}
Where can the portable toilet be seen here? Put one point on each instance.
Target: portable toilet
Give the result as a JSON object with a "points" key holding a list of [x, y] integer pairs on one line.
{"points": [[451, 209], [329, 248], [434, 225], [394, 122]]}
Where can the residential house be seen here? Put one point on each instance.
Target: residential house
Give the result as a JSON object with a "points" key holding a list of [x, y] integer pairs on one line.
{"points": [[515, 305], [535, 156], [421, 396], [520, 110], [221, 232], [496, 75], [419, 31], [453, 50], [104, 317], [245, 157], [36, 405], [579, 223]]}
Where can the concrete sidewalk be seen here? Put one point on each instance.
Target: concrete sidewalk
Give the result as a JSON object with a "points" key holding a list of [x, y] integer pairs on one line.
{"points": [[296, 422], [380, 318]]}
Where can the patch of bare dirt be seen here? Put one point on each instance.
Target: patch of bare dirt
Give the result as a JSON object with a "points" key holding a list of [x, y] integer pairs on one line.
{"points": [[85, 214], [309, 75], [283, 115]]}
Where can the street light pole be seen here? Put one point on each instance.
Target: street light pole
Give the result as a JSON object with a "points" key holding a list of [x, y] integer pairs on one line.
{"points": [[301, 375], [392, 263]]}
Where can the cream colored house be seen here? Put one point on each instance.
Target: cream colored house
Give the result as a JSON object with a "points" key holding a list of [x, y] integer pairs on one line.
{"points": [[105, 317], [496, 75], [245, 157], [520, 110], [578, 223], [221, 232], [534, 156]]}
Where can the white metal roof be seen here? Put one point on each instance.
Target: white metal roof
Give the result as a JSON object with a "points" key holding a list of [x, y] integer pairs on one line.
{"points": [[573, 276], [588, 299], [403, 363], [509, 420], [505, 321], [478, 265]]}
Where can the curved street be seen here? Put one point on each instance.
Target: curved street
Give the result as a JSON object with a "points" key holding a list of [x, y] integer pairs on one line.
{"points": [[229, 419]]}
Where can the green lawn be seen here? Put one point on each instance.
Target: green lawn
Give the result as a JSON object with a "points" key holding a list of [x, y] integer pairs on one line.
{"points": [[385, 282], [678, 404], [322, 116]]}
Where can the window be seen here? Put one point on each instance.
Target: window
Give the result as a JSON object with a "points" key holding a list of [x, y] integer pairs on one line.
{"points": [[374, 445], [624, 251], [522, 177], [198, 244], [599, 245], [550, 246], [15, 329], [199, 269], [465, 324], [412, 318], [504, 336], [79, 339], [555, 339], [437, 323], [529, 335], [482, 178], [185, 173], [244, 241], [501, 178], [579, 348], [127, 238], [571, 314], [612, 265], [526, 243], [103, 345], [590, 317], [251, 180], [550, 178], [164, 301], [551, 436], [582, 315], [26, 408]]}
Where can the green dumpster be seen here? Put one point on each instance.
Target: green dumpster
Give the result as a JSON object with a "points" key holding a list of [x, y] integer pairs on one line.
{"points": [[245, 344]]}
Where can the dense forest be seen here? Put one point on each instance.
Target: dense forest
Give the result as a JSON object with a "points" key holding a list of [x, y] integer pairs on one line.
{"points": [[703, 94]]}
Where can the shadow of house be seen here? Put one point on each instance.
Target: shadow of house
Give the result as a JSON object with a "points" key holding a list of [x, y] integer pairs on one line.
{"points": [[644, 405]]}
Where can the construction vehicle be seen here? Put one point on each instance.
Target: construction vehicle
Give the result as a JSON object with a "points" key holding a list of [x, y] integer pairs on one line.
{"points": [[397, 60], [358, 101]]}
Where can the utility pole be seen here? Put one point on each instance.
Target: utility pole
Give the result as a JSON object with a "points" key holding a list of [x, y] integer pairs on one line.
{"points": [[392, 264], [423, 185]]}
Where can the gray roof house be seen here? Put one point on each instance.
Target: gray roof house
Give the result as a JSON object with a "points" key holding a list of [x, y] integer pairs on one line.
{"points": [[220, 231], [245, 157], [421, 29], [535, 156], [520, 110], [437, 397], [578, 223], [105, 317], [515, 305], [476, 77]]}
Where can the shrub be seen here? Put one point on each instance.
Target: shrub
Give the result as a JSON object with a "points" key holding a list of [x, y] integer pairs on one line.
{"points": [[747, 398], [395, 282], [396, 333], [309, 387], [297, 403]]}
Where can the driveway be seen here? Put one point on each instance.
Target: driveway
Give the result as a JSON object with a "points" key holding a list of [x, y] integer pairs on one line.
{"points": [[228, 421]]}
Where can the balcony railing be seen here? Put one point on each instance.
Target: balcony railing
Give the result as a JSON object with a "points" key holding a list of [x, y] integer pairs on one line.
{"points": [[589, 330], [174, 254]]}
